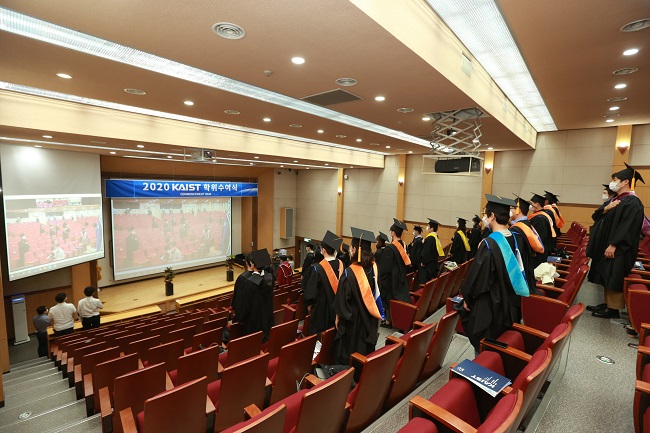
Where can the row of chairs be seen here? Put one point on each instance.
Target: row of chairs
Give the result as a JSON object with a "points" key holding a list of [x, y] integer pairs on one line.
{"points": [[642, 385]]}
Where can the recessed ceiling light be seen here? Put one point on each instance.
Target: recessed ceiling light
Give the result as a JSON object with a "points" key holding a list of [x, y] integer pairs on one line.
{"points": [[359, 140], [351, 166], [614, 108], [320, 131], [295, 160], [66, 76], [137, 92], [620, 86], [140, 146], [298, 60], [113, 152], [326, 164], [426, 119], [374, 144], [410, 151], [267, 119], [296, 125], [169, 157], [490, 148], [307, 168], [231, 112], [346, 82], [380, 98], [256, 157], [47, 136], [341, 136], [282, 166], [229, 30], [188, 103], [37, 145], [252, 163], [387, 147], [405, 110], [609, 120], [630, 52]]}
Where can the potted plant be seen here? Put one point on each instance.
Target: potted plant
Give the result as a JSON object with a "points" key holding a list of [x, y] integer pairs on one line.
{"points": [[169, 275], [230, 274]]}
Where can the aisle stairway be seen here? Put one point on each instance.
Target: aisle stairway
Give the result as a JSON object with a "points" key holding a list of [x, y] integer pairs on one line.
{"points": [[38, 399]]}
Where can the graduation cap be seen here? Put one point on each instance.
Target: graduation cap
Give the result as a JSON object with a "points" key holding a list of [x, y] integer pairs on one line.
{"points": [[537, 199], [261, 258], [522, 205], [398, 227], [476, 219], [433, 223], [363, 236], [552, 198], [498, 204], [384, 236], [332, 241], [609, 191], [462, 220], [311, 245], [418, 229], [345, 247], [629, 173]]}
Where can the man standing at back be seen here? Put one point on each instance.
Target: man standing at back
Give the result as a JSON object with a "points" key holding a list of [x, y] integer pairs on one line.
{"points": [[530, 245], [415, 249], [393, 269], [543, 224], [88, 309], [431, 253], [62, 315]]}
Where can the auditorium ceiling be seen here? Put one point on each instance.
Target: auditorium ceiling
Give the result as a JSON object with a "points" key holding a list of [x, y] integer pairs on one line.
{"points": [[570, 48]]}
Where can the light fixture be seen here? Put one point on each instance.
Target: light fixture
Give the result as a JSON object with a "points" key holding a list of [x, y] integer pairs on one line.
{"points": [[488, 168], [340, 190], [256, 157], [410, 151], [622, 146], [341, 136], [490, 148], [282, 166], [400, 181], [630, 52], [482, 28], [298, 60], [359, 140], [188, 103], [231, 111], [267, 119], [426, 119], [609, 120], [37, 145], [47, 136], [326, 164], [66, 76], [112, 152], [320, 131], [140, 146], [620, 86], [169, 157], [614, 108], [295, 160], [380, 98], [307, 168], [387, 147], [251, 163]]}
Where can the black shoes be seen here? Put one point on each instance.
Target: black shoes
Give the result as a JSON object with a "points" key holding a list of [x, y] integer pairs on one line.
{"points": [[607, 313], [385, 324], [599, 307]]}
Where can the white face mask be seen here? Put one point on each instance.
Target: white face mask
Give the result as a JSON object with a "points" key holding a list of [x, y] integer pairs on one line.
{"points": [[456, 225], [605, 197], [512, 213], [614, 186], [486, 223]]}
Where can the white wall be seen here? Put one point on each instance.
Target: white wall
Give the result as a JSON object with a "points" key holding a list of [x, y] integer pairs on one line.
{"points": [[316, 202], [640, 146], [284, 195]]}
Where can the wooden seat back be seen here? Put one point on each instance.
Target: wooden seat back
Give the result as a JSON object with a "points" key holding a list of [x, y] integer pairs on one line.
{"points": [[197, 364], [79, 351], [181, 409], [141, 347], [269, 421], [439, 345], [104, 377], [280, 335], [326, 354], [132, 389], [422, 304], [221, 322], [206, 338], [293, 364], [436, 298], [123, 341], [243, 348], [167, 353], [185, 333], [196, 322]]}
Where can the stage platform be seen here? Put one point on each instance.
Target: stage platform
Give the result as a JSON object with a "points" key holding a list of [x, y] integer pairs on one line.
{"points": [[123, 297]]}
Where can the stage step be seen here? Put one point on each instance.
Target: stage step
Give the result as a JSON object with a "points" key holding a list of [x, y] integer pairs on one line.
{"points": [[29, 363]]}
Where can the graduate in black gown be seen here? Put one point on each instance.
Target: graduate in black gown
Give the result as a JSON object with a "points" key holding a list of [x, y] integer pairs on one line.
{"points": [[248, 265], [614, 245], [345, 254], [552, 201], [543, 224], [475, 236], [254, 306], [459, 243], [431, 253], [382, 240], [308, 264], [607, 196], [392, 270], [414, 249], [323, 285], [491, 304], [357, 304], [530, 244]]}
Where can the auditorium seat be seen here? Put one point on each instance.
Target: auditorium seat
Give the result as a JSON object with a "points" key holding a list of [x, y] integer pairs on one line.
{"points": [[206, 339], [167, 353], [141, 346], [204, 362], [131, 390], [88, 381], [77, 354], [280, 335], [271, 420], [641, 407], [449, 284], [326, 354], [124, 341], [221, 322], [454, 408], [196, 322], [184, 333], [637, 297], [241, 348], [290, 367], [184, 408], [375, 372], [409, 366], [569, 288], [66, 348], [403, 314]]}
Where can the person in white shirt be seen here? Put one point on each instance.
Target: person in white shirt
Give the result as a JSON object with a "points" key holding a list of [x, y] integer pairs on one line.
{"points": [[62, 315], [88, 309]]}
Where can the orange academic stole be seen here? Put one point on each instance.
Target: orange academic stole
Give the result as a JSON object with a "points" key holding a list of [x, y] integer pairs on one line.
{"points": [[364, 288], [333, 279], [402, 253]]}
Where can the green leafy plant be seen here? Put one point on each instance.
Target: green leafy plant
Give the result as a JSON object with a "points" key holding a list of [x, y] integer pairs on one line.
{"points": [[169, 274], [230, 260]]}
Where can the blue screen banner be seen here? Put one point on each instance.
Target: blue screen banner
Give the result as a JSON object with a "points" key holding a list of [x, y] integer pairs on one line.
{"points": [[124, 188]]}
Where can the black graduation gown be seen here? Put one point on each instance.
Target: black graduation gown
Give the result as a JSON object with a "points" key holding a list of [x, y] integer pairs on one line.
{"points": [[309, 261], [320, 297], [345, 258], [474, 239], [415, 251], [527, 256], [552, 240], [493, 304], [392, 278], [237, 287], [621, 227], [358, 329], [254, 307], [378, 254], [429, 259], [600, 212], [458, 252], [307, 269], [541, 225]]}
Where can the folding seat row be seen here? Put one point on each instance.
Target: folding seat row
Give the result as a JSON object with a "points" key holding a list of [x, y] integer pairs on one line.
{"points": [[642, 385]]}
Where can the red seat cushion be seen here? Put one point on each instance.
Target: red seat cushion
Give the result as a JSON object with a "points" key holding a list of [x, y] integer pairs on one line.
{"points": [[513, 339], [646, 341], [223, 358], [273, 367], [557, 331], [645, 373], [457, 397], [419, 425], [352, 397], [214, 390], [498, 414], [140, 420], [491, 361], [173, 375], [293, 403]]}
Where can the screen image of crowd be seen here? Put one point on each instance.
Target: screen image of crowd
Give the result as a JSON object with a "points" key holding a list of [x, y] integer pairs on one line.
{"points": [[176, 232]]}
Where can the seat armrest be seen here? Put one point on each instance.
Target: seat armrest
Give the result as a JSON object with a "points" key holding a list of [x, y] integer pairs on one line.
{"points": [[551, 291], [533, 338], [642, 386], [514, 361], [106, 410], [311, 381], [418, 325], [357, 361], [251, 411], [128, 421], [418, 406], [391, 339], [88, 394]]}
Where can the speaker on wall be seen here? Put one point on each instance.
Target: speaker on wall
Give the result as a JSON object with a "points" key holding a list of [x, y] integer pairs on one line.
{"points": [[286, 222]]}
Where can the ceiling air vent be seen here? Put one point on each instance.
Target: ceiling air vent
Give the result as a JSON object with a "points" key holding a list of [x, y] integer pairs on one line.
{"points": [[405, 110], [635, 26], [625, 71], [346, 82], [617, 99], [229, 30], [331, 97], [135, 92]]}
